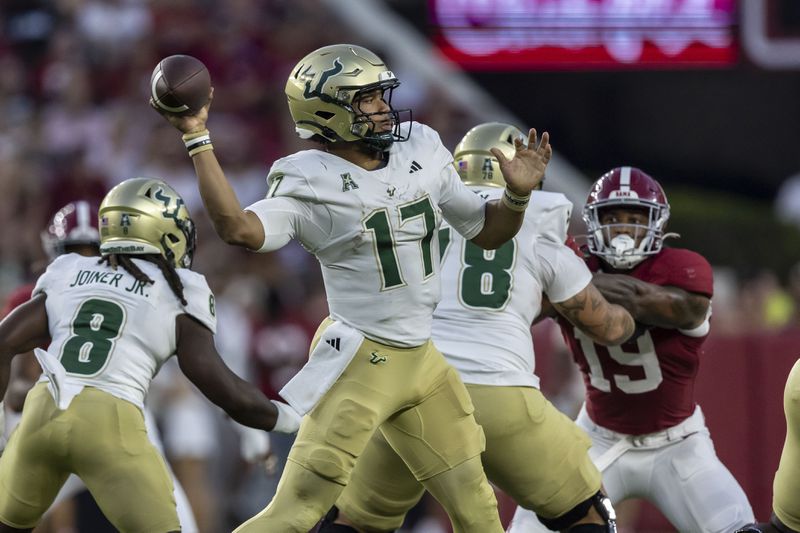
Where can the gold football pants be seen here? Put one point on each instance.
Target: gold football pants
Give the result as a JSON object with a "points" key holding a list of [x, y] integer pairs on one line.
{"points": [[786, 487], [534, 453], [422, 409], [100, 438]]}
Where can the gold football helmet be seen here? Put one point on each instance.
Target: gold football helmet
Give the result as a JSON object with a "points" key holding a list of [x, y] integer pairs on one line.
{"points": [[475, 163], [323, 91], [146, 216]]}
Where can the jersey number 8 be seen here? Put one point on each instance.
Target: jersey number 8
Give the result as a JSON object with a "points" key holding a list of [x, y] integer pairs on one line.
{"points": [[94, 329], [485, 280]]}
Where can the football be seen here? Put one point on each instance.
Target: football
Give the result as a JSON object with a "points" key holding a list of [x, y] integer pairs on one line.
{"points": [[180, 85]]}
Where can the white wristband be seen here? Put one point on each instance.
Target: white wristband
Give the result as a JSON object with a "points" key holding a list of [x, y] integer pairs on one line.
{"points": [[514, 201], [288, 420]]}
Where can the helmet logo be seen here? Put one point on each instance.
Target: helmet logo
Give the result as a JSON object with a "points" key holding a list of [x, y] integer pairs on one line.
{"points": [[335, 69], [166, 200], [487, 172], [623, 194], [125, 223]]}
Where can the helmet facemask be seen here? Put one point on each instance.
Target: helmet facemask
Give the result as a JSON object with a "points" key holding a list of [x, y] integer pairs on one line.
{"points": [[364, 126], [620, 250]]}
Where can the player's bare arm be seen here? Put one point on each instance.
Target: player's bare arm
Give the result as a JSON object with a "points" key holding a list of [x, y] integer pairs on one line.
{"points": [[233, 224], [200, 362], [21, 331], [654, 305], [605, 323], [523, 173]]}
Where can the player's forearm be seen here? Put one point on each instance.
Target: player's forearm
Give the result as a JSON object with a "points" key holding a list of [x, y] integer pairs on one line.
{"points": [[670, 308], [239, 399], [619, 326], [603, 322], [657, 305], [500, 226], [220, 199], [254, 410]]}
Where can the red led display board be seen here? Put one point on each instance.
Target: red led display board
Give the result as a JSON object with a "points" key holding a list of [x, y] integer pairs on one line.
{"points": [[585, 34]]}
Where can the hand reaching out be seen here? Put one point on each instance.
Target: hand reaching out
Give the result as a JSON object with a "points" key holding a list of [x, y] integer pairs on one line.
{"points": [[525, 171]]}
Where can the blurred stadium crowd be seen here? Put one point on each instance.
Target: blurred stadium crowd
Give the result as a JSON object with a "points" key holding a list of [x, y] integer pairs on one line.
{"points": [[74, 121]]}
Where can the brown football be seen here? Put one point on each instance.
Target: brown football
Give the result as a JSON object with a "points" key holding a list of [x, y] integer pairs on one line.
{"points": [[180, 85]]}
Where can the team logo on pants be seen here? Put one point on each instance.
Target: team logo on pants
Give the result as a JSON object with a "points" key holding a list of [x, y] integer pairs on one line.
{"points": [[376, 358]]}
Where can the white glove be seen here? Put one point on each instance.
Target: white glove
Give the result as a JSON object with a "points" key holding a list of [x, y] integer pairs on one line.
{"points": [[288, 419], [254, 443]]}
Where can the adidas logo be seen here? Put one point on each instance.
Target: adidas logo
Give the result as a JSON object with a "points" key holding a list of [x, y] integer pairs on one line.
{"points": [[414, 167], [334, 343]]}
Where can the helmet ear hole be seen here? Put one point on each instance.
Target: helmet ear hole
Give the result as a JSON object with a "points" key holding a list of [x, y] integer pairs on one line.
{"points": [[325, 115], [172, 238]]}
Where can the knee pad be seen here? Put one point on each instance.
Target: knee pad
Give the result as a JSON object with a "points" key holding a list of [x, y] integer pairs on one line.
{"points": [[602, 505], [343, 439]]}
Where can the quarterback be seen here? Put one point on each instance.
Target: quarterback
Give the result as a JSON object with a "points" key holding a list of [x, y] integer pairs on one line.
{"points": [[649, 437], [482, 326], [113, 323], [368, 203]]}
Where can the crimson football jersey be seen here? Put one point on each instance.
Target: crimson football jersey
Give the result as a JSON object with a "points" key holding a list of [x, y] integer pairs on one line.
{"points": [[646, 385]]}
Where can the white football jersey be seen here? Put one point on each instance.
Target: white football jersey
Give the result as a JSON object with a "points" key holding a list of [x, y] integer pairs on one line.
{"points": [[112, 332], [491, 297], [373, 232]]}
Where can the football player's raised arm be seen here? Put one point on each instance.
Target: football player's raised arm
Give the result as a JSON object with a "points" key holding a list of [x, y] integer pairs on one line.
{"points": [[200, 362], [655, 305], [233, 224], [522, 174], [21, 331], [605, 323]]}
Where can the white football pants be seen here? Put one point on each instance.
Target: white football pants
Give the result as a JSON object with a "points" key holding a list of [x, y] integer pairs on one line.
{"points": [[677, 470]]}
